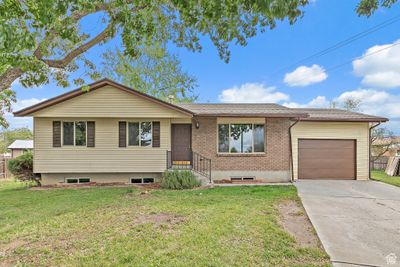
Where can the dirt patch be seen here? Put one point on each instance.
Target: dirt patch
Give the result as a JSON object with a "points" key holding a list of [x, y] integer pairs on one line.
{"points": [[13, 245], [160, 219], [295, 221]]}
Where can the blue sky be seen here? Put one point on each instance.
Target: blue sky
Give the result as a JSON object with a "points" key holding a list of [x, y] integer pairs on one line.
{"points": [[253, 75]]}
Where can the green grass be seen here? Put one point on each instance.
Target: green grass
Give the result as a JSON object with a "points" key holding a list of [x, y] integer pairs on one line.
{"points": [[383, 177], [99, 226]]}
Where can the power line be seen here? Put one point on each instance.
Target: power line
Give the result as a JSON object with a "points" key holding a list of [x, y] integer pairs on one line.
{"points": [[356, 58], [343, 43]]}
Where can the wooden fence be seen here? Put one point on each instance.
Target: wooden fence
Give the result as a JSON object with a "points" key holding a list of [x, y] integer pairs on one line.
{"points": [[379, 163], [4, 172]]}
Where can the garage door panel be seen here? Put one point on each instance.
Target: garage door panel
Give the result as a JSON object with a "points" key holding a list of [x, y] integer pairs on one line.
{"points": [[326, 143], [327, 174], [328, 154], [326, 159], [326, 162]]}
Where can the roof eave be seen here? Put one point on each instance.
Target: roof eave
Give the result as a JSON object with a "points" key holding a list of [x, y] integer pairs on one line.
{"points": [[93, 86], [251, 115], [377, 119]]}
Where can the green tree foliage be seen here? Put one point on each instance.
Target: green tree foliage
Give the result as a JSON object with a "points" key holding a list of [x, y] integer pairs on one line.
{"points": [[155, 72], [368, 7], [43, 39], [22, 168], [9, 136], [176, 179]]}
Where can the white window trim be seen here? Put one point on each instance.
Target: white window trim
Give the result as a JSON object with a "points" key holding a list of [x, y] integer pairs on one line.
{"points": [[140, 134], [229, 136], [74, 140], [77, 178]]}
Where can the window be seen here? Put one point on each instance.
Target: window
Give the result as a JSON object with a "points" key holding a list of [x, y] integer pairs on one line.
{"points": [[74, 133], [142, 180], [241, 138], [242, 178], [139, 133], [77, 180]]}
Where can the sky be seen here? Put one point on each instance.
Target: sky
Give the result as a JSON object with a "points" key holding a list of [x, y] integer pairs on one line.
{"points": [[267, 69]]}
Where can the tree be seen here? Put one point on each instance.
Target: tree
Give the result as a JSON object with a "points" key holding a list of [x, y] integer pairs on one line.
{"points": [[155, 72], [368, 7], [382, 140], [9, 136], [351, 104], [43, 39]]}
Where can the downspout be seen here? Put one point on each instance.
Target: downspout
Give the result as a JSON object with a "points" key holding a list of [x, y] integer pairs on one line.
{"points": [[291, 149], [369, 148]]}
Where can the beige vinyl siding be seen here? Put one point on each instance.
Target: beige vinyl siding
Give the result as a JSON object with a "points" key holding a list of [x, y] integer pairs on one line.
{"points": [[106, 156], [335, 130], [109, 102]]}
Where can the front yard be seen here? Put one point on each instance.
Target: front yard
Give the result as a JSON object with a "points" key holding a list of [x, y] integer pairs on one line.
{"points": [[383, 177], [100, 226]]}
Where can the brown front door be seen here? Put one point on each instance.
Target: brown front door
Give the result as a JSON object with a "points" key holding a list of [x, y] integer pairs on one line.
{"points": [[327, 159], [181, 142]]}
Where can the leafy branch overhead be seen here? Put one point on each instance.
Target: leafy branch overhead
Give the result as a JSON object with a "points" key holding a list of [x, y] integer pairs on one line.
{"points": [[155, 72], [42, 38]]}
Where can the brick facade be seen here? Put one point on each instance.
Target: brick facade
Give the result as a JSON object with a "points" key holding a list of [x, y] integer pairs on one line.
{"points": [[275, 158]]}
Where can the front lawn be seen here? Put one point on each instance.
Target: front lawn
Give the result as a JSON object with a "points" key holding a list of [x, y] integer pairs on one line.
{"points": [[103, 226], [383, 177]]}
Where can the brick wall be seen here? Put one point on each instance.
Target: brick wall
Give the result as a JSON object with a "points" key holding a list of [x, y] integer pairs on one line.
{"points": [[276, 157]]}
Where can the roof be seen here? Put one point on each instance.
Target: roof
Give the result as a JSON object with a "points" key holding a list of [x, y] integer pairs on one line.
{"points": [[94, 86], [329, 114], [21, 144], [214, 110], [243, 110]]}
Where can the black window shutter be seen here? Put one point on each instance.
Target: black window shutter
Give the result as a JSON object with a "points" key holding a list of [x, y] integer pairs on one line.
{"points": [[122, 133], [56, 133], [156, 134], [91, 134]]}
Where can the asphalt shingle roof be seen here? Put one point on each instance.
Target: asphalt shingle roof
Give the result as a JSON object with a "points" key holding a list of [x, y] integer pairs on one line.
{"points": [[329, 114], [275, 110], [272, 110]]}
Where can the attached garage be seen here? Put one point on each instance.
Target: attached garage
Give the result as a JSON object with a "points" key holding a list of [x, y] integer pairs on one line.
{"points": [[327, 159], [332, 144]]}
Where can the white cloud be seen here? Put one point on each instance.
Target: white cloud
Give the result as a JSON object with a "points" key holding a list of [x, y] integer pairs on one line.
{"points": [[16, 122], [318, 102], [252, 93], [381, 68], [303, 76]]}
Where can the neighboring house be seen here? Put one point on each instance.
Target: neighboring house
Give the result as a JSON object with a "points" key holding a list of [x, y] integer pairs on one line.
{"points": [[112, 133], [19, 147], [392, 144]]}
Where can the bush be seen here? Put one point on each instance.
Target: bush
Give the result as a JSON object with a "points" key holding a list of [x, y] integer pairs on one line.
{"points": [[22, 167], [179, 180]]}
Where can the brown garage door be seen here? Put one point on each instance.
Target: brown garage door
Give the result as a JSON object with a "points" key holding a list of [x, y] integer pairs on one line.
{"points": [[327, 159]]}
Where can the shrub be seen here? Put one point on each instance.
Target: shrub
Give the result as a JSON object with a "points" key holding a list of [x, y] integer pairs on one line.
{"points": [[22, 167], [176, 179]]}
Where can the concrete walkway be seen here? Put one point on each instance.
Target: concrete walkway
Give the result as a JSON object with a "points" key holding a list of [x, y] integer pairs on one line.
{"points": [[358, 222]]}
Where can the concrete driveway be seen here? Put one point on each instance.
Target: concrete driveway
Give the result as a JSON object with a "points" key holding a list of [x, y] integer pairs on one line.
{"points": [[358, 222]]}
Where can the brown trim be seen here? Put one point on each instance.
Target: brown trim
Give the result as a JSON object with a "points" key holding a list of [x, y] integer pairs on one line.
{"points": [[122, 134], [56, 133], [375, 119], [94, 86], [156, 133], [256, 115], [91, 133], [332, 139]]}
